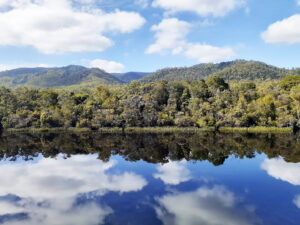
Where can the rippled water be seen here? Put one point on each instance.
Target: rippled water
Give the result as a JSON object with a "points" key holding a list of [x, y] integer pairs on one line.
{"points": [[207, 179]]}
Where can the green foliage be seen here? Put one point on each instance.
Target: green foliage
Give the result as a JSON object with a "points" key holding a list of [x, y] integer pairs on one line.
{"points": [[289, 82], [250, 70], [197, 72], [57, 77], [75, 77], [255, 130], [154, 145], [218, 83], [235, 70], [161, 93], [210, 103]]}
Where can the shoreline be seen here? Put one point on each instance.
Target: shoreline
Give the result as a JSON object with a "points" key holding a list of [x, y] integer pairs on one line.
{"points": [[162, 130]]}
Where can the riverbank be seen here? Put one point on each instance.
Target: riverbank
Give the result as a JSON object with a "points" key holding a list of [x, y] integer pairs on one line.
{"points": [[156, 130]]}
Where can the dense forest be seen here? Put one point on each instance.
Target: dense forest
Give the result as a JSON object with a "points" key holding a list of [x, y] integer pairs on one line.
{"points": [[57, 77], [204, 103], [230, 71]]}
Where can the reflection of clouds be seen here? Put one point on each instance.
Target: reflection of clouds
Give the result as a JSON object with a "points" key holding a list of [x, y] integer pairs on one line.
{"points": [[173, 173], [279, 169], [297, 201], [55, 213], [48, 189], [204, 206]]}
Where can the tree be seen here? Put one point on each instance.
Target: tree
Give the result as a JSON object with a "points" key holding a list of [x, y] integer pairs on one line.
{"points": [[289, 81], [217, 83]]}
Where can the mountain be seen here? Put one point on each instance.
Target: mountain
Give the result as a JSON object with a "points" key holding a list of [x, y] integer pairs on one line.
{"points": [[234, 70], [79, 76], [252, 70], [130, 76], [57, 77]]}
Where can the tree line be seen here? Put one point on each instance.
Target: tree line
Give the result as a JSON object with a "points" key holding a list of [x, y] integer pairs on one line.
{"points": [[202, 103], [160, 148]]}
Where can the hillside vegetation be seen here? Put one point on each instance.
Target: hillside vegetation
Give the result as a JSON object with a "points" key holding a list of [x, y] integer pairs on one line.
{"points": [[74, 77], [230, 71], [57, 77], [210, 103], [130, 76]]}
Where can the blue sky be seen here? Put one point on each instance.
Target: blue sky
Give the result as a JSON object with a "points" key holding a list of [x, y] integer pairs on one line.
{"points": [[146, 35]]}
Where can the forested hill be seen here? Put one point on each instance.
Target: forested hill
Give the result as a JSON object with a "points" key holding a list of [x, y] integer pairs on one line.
{"points": [[79, 76], [57, 77], [130, 76], [234, 70]]}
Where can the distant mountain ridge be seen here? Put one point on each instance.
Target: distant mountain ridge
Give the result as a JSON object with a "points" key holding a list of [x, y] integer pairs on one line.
{"points": [[234, 70], [74, 75], [57, 77], [130, 76]]}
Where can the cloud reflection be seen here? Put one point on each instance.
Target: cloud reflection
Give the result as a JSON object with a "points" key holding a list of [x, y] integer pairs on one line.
{"points": [[173, 173], [205, 206], [282, 170], [297, 201], [48, 189], [279, 169]]}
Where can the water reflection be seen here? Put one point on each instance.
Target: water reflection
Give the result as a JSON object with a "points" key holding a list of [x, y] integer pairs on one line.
{"points": [[297, 201], [173, 173], [46, 190], [279, 169], [152, 148], [284, 171], [207, 206], [149, 179]]}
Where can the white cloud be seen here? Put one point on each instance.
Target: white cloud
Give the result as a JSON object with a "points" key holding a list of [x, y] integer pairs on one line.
{"points": [[44, 65], [298, 2], [56, 26], [286, 31], [48, 189], [85, 1], [173, 173], [204, 206], [11, 67], [108, 66], [4, 3], [171, 38], [207, 53], [204, 8], [4, 67], [7, 207], [142, 3], [279, 169], [297, 201]]}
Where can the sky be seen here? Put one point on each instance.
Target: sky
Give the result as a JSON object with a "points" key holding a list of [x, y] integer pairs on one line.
{"points": [[147, 35]]}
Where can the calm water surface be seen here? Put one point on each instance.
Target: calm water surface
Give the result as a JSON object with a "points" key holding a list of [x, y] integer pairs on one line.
{"points": [[207, 179]]}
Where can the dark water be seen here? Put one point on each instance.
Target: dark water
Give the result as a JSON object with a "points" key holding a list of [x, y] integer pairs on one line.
{"points": [[207, 179]]}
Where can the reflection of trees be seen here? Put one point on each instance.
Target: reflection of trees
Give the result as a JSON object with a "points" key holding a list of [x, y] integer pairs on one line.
{"points": [[153, 148]]}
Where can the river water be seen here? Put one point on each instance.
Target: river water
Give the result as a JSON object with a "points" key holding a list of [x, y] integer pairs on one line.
{"points": [[170, 179]]}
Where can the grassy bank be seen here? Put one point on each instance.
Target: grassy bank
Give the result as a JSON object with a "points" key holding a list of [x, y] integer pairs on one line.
{"points": [[156, 130], [45, 130], [255, 130], [114, 130]]}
